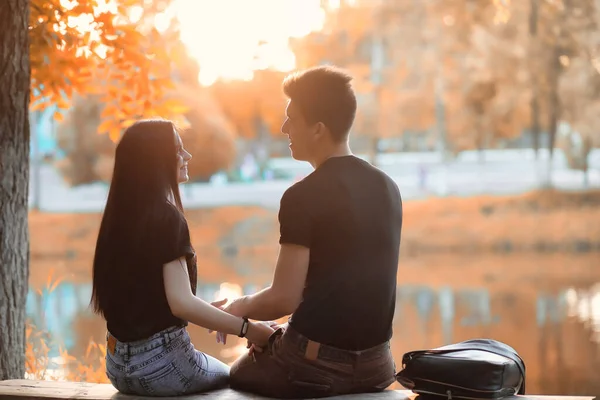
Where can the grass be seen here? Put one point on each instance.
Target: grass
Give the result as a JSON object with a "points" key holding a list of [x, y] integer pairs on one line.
{"points": [[39, 365]]}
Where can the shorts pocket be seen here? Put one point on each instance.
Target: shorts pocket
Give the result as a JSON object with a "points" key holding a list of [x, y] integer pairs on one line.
{"points": [[118, 383], [167, 380]]}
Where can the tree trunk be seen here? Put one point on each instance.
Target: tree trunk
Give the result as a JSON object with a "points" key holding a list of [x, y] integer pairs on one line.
{"points": [[535, 89], [553, 110], [14, 182], [373, 151]]}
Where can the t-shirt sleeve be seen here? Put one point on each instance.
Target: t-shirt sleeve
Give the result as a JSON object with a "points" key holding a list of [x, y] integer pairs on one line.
{"points": [[176, 240], [294, 220]]}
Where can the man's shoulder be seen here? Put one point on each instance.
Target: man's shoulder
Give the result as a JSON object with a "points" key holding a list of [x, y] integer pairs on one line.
{"points": [[296, 191]]}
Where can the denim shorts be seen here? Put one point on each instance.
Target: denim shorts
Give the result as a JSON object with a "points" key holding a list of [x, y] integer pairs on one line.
{"points": [[165, 364]]}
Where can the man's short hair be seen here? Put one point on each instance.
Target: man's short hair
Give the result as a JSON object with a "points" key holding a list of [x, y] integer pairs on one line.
{"points": [[323, 94]]}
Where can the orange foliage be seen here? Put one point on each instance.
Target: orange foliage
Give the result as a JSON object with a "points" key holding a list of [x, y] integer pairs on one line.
{"points": [[270, 98], [38, 365], [245, 102], [470, 57], [80, 47], [210, 137], [91, 368], [89, 157]]}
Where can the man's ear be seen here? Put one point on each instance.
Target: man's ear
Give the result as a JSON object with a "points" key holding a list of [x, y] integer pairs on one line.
{"points": [[320, 129]]}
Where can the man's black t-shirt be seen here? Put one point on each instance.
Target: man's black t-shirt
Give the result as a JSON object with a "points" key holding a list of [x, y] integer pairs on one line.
{"points": [[139, 308], [349, 214]]}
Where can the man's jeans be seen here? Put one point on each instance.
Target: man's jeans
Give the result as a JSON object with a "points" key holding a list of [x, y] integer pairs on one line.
{"points": [[294, 367], [165, 364]]}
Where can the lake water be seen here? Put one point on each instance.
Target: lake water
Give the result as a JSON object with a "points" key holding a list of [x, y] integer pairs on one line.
{"points": [[547, 306]]}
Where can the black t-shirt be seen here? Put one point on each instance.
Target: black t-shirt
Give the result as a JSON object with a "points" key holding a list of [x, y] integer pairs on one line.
{"points": [[349, 214], [139, 307]]}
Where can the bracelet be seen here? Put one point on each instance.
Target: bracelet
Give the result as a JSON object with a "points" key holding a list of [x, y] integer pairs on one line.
{"points": [[245, 326]]}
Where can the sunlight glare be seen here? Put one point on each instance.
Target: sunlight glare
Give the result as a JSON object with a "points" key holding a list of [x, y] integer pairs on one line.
{"points": [[231, 39], [229, 291], [135, 14]]}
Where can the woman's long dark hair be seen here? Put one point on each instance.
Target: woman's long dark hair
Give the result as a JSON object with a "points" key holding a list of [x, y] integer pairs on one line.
{"points": [[145, 174]]}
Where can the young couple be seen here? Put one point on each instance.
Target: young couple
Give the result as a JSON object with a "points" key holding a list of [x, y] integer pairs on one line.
{"points": [[335, 273]]}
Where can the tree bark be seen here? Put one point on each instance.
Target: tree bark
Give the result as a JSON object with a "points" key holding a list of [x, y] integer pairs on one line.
{"points": [[535, 89], [14, 182]]}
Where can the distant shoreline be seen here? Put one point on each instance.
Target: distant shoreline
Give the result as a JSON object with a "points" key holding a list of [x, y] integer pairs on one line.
{"points": [[542, 221]]}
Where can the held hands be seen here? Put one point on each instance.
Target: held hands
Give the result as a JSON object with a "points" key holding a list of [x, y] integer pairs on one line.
{"points": [[221, 337], [234, 308], [257, 347], [258, 336], [258, 332]]}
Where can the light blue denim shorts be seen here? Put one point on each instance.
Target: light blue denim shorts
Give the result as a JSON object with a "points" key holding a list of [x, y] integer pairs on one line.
{"points": [[165, 364]]}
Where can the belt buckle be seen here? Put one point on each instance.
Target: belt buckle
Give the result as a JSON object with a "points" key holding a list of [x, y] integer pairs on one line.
{"points": [[111, 342]]}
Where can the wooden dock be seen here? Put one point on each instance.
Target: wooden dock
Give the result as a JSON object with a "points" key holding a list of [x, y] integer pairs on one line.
{"points": [[24, 389]]}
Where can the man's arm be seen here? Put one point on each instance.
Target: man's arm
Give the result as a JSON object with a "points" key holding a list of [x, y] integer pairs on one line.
{"points": [[285, 293]]}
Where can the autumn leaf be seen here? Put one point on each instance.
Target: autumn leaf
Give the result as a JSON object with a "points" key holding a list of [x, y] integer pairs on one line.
{"points": [[114, 133], [173, 106], [105, 126], [92, 345], [49, 279], [98, 58], [55, 285]]}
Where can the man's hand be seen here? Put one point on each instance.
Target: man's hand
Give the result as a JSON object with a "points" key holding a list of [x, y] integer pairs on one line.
{"points": [[253, 348], [236, 307], [219, 303], [258, 336]]}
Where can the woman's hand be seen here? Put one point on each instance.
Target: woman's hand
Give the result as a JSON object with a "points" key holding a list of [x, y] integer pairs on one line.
{"points": [[221, 337], [236, 307]]}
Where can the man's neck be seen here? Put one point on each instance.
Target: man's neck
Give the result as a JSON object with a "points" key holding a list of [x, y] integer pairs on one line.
{"points": [[338, 150]]}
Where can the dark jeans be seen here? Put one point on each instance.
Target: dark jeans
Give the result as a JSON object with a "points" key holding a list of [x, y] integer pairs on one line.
{"points": [[294, 367]]}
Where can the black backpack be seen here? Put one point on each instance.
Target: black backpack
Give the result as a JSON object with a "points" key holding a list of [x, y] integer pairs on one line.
{"points": [[473, 369]]}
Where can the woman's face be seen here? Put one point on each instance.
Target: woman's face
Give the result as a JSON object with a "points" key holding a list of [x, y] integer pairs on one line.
{"points": [[182, 160]]}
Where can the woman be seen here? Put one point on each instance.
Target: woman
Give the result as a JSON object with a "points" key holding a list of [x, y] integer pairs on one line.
{"points": [[144, 281]]}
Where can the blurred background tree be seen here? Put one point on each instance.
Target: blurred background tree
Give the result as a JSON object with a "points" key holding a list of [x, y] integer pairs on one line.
{"points": [[206, 132], [433, 75]]}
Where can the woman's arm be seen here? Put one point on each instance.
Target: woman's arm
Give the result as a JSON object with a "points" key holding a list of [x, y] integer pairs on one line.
{"points": [[185, 305]]}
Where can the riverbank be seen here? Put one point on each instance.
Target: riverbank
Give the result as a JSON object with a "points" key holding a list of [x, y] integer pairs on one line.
{"points": [[540, 221], [240, 240]]}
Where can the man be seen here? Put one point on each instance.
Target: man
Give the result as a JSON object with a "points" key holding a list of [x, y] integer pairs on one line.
{"points": [[336, 271]]}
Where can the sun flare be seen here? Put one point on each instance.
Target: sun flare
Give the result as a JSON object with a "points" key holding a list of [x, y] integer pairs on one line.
{"points": [[231, 39]]}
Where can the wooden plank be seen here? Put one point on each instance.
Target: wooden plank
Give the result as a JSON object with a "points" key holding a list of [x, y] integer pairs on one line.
{"points": [[24, 389], [53, 390]]}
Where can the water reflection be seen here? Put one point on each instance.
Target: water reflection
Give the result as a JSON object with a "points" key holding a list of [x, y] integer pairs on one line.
{"points": [[550, 315], [585, 306]]}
